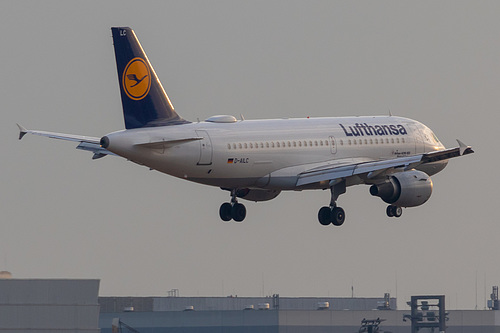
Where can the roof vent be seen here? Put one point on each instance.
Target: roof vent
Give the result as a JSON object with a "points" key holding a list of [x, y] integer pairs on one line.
{"points": [[323, 305], [263, 306]]}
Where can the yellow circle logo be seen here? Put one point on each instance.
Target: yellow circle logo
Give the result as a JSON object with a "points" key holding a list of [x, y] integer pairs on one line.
{"points": [[136, 79]]}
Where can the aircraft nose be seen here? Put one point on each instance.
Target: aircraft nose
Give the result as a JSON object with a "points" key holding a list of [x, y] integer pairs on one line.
{"points": [[104, 142]]}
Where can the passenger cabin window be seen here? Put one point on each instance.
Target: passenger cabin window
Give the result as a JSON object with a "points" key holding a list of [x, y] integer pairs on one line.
{"points": [[304, 143]]}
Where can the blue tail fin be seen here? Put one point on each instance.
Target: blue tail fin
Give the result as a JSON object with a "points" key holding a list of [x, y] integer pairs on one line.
{"points": [[145, 103]]}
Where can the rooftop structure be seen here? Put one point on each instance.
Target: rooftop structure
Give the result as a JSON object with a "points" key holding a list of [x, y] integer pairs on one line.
{"points": [[155, 304], [49, 305], [279, 314]]}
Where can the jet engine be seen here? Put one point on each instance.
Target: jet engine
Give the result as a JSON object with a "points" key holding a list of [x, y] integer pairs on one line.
{"points": [[404, 189], [257, 195]]}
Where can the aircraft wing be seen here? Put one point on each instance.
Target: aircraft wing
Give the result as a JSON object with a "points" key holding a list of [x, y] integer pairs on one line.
{"points": [[372, 169], [87, 143]]}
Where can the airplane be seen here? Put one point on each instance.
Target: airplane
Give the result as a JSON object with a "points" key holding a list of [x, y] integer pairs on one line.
{"points": [[257, 159]]}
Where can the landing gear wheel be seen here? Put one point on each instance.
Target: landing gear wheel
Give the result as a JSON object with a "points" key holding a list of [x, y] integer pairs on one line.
{"points": [[238, 212], [337, 216], [389, 211], [398, 211], [394, 211], [232, 210], [225, 212], [325, 215]]}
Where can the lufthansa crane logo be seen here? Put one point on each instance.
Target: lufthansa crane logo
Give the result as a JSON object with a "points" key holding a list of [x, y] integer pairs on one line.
{"points": [[136, 79]]}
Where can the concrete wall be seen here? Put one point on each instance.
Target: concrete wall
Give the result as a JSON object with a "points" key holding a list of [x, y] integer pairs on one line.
{"points": [[195, 321], [473, 321], [338, 321], [290, 321], [44, 305]]}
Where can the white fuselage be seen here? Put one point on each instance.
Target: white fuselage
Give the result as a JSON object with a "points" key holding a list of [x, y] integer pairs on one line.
{"points": [[269, 154]]}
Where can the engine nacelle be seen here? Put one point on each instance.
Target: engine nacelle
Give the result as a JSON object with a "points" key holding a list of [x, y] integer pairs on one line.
{"points": [[405, 189], [257, 195]]}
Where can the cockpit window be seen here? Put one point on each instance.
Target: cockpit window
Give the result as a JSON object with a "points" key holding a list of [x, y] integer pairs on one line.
{"points": [[435, 137]]}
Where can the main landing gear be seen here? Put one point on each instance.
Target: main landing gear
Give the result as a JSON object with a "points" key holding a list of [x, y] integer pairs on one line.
{"points": [[333, 214], [394, 211], [232, 210]]}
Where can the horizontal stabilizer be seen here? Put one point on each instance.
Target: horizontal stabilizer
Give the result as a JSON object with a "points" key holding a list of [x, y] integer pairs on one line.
{"points": [[87, 143], [69, 137], [96, 149]]}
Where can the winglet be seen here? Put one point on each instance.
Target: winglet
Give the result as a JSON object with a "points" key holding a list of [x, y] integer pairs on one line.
{"points": [[22, 131], [464, 149]]}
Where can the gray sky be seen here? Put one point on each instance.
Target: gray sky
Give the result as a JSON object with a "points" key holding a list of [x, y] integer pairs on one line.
{"points": [[143, 233]]}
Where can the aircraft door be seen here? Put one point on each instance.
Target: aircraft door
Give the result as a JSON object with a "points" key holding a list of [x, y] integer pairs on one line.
{"points": [[206, 150], [333, 145], [418, 138]]}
